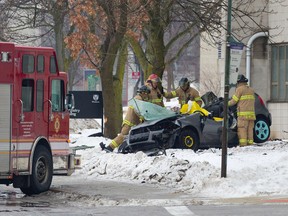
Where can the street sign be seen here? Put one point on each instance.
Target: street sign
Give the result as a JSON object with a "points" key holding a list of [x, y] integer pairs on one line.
{"points": [[135, 75], [236, 49], [88, 104]]}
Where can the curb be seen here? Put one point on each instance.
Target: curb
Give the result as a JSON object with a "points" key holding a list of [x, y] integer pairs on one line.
{"points": [[251, 200]]}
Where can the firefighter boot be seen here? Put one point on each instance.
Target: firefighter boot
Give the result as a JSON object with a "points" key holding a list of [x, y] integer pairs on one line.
{"points": [[104, 148]]}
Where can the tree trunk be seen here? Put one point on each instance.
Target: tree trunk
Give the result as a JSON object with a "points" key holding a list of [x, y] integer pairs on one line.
{"points": [[118, 85], [112, 97], [156, 52], [109, 98], [59, 35]]}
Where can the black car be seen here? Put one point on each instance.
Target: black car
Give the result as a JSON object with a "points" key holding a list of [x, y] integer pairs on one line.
{"points": [[263, 117], [166, 129], [263, 121]]}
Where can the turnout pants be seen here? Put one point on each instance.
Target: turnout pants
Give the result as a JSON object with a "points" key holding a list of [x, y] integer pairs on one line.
{"points": [[117, 141], [245, 131]]}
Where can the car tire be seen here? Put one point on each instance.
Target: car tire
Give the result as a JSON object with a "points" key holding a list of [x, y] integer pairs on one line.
{"points": [[261, 130], [188, 139], [42, 172]]}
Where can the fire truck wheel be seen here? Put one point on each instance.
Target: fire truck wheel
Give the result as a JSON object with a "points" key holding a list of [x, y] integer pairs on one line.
{"points": [[42, 172]]}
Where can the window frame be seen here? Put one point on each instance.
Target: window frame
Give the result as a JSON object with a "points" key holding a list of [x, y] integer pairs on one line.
{"points": [[279, 73], [40, 70], [58, 95], [52, 65], [24, 62], [28, 102], [39, 95]]}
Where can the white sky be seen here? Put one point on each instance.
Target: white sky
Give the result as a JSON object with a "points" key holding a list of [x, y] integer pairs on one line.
{"points": [[251, 171]]}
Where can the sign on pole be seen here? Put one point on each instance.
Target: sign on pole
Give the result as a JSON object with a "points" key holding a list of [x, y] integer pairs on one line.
{"points": [[135, 74], [88, 104], [236, 50]]}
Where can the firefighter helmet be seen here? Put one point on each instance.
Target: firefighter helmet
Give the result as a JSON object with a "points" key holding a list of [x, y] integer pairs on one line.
{"points": [[184, 82], [154, 78], [241, 79], [143, 89]]}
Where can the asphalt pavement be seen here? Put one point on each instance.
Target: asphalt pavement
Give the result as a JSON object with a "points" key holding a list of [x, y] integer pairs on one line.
{"points": [[90, 197]]}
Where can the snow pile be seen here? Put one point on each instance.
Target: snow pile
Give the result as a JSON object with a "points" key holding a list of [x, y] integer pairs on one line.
{"points": [[251, 171], [77, 125]]}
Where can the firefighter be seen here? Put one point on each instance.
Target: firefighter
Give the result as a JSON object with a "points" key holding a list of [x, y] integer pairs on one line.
{"points": [[130, 120], [184, 93], [245, 99], [156, 96]]}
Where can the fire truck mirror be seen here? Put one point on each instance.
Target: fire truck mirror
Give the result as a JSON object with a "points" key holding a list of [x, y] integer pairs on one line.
{"points": [[70, 102]]}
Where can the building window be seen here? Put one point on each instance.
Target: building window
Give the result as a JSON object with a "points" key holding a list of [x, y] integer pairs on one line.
{"points": [[39, 95], [279, 73], [28, 64], [27, 94], [57, 95], [40, 63]]}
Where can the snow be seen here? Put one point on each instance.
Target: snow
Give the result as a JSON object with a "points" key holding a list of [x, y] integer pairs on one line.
{"points": [[257, 170]]}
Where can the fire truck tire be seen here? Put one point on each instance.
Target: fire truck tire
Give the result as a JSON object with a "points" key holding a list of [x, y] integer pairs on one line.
{"points": [[42, 172]]}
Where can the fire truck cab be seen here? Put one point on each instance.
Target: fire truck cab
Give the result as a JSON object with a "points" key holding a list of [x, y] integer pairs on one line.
{"points": [[34, 118]]}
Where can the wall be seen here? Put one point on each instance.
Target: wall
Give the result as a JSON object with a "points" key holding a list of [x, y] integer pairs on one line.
{"points": [[279, 120], [278, 34], [260, 68], [260, 59], [212, 65]]}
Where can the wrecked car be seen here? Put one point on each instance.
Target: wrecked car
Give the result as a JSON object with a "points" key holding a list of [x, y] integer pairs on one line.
{"points": [[164, 128]]}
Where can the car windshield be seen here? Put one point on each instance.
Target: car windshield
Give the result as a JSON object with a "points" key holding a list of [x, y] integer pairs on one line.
{"points": [[149, 110]]}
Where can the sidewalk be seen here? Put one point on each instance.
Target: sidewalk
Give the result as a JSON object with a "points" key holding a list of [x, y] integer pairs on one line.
{"points": [[252, 200]]}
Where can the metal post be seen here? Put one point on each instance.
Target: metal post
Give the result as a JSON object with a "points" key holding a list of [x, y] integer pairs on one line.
{"points": [[226, 92]]}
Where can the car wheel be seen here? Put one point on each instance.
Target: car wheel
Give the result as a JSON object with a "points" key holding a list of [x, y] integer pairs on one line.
{"points": [[188, 139], [261, 130]]}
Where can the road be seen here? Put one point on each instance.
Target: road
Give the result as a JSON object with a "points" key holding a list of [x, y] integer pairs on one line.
{"points": [[90, 197]]}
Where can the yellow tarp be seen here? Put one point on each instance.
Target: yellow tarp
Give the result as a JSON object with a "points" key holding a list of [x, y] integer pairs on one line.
{"points": [[192, 107]]}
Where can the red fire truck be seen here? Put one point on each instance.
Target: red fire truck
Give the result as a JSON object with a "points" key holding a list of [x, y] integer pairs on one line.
{"points": [[34, 118]]}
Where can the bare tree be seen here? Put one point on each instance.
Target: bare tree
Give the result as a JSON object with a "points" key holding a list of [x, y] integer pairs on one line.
{"points": [[103, 26], [211, 81], [173, 27], [44, 22], [99, 33]]}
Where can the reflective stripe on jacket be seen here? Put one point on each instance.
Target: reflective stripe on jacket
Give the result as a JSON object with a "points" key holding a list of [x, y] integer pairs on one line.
{"points": [[184, 96], [245, 100]]}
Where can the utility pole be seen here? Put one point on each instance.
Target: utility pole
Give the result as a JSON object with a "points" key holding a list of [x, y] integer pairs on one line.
{"points": [[226, 92]]}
